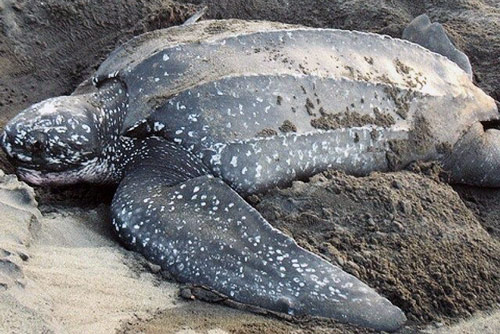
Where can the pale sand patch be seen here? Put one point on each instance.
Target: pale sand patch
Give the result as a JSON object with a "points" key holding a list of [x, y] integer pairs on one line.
{"points": [[484, 323], [75, 277], [91, 289]]}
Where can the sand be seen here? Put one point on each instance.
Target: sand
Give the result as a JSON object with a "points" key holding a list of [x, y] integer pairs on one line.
{"points": [[64, 272]]}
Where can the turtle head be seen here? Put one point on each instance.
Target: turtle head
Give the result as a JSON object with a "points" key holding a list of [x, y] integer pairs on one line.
{"points": [[56, 141]]}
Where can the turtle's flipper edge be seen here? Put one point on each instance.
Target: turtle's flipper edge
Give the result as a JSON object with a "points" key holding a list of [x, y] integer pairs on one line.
{"points": [[204, 233]]}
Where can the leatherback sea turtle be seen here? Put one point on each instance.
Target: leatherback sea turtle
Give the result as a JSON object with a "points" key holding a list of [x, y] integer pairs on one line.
{"points": [[189, 119]]}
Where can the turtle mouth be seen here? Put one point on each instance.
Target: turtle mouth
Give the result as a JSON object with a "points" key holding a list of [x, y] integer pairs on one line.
{"points": [[39, 178], [93, 170], [24, 161], [35, 169], [31, 176], [50, 177]]}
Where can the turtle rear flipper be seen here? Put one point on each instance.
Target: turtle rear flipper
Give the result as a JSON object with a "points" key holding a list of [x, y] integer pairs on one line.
{"points": [[195, 17], [475, 158], [202, 232], [433, 36]]}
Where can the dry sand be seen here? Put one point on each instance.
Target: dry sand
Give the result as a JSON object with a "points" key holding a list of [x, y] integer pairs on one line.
{"points": [[63, 272]]}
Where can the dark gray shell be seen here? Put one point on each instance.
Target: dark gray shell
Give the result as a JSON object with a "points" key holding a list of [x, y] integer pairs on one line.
{"points": [[157, 66]]}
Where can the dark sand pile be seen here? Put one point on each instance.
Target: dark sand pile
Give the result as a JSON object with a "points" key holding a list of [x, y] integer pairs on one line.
{"points": [[409, 236]]}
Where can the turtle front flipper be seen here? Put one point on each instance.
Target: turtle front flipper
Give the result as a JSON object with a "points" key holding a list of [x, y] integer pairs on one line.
{"points": [[202, 232]]}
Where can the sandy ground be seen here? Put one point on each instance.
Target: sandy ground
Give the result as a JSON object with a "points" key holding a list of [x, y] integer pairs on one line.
{"points": [[430, 248], [63, 271]]}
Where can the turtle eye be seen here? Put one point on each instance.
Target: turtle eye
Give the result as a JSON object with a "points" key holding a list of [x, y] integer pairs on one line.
{"points": [[37, 143], [38, 146]]}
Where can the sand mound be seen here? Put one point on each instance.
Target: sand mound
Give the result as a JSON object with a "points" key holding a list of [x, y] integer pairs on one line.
{"points": [[406, 235]]}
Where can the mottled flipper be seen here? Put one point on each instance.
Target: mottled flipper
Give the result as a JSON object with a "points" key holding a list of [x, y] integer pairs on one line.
{"points": [[204, 233]]}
